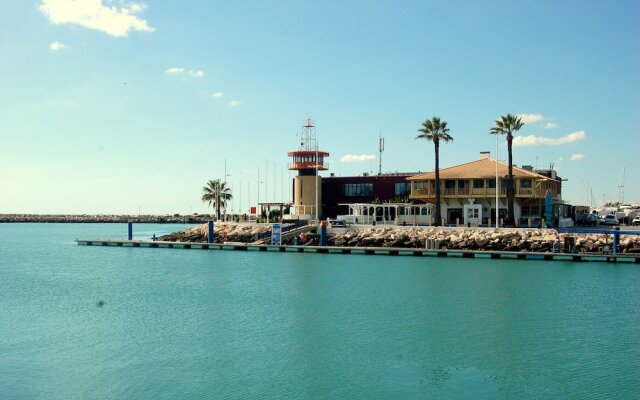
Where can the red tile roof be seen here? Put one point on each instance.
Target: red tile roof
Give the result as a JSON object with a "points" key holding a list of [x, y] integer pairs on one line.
{"points": [[479, 169]]}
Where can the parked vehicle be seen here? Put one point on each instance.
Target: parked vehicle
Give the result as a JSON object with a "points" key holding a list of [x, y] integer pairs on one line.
{"points": [[610, 219], [587, 219], [636, 221]]}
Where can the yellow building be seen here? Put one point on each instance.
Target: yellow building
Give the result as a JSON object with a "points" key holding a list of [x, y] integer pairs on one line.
{"points": [[468, 191]]}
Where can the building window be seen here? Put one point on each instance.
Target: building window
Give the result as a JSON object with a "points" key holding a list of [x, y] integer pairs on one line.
{"points": [[449, 184], [491, 183], [358, 189], [402, 188], [525, 183], [473, 213], [478, 183], [463, 184], [419, 185], [530, 211]]}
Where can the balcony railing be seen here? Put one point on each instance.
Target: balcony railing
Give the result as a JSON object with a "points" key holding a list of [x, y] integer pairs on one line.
{"points": [[479, 192], [308, 165]]}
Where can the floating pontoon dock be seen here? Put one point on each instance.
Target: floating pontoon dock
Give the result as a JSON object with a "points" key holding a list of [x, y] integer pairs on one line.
{"points": [[391, 251]]}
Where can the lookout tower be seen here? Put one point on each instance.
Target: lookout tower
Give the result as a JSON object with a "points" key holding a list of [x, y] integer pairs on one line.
{"points": [[308, 160]]}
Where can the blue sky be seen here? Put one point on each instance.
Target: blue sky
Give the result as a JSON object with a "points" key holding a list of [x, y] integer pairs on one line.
{"points": [[118, 107]]}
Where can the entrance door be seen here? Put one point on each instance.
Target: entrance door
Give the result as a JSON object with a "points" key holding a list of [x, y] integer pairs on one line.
{"points": [[473, 214], [453, 215]]}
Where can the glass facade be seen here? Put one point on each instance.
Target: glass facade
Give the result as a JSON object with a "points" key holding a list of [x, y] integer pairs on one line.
{"points": [[358, 189], [402, 188]]}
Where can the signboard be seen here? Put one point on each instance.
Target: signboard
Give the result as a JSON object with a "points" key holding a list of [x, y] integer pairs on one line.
{"points": [[276, 234], [253, 211]]}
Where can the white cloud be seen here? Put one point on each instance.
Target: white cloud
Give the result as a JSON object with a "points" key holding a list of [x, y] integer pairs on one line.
{"points": [[57, 46], [234, 103], [549, 125], [357, 157], [174, 70], [217, 94], [530, 118], [577, 157], [532, 140], [92, 14], [180, 71]]}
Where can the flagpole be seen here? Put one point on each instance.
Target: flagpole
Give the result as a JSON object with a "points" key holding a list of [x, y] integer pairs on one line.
{"points": [[497, 188], [317, 179]]}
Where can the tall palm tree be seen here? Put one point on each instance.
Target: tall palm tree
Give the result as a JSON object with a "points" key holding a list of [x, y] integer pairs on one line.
{"points": [[435, 131], [217, 193], [507, 125]]}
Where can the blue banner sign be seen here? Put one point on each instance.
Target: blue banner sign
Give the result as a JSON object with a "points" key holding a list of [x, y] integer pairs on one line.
{"points": [[276, 234]]}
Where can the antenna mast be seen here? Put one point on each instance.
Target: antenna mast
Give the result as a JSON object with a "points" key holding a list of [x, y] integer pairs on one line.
{"points": [[621, 189], [381, 149], [309, 138]]}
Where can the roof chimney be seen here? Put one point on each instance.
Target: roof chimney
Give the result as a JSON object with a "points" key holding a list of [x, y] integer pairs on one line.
{"points": [[484, 155]]}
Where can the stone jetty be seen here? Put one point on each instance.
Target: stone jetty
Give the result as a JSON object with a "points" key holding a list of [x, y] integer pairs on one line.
{"points": [[523, 240], [103, 218]]}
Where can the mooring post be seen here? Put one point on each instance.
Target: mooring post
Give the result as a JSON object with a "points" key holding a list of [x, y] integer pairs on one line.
{"points": [[211, 237], [616, 239], [130, 230], [323, 233]]}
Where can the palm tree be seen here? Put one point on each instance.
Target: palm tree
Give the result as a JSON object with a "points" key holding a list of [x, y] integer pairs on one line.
{"points": [[435, 130], [217, 193], [507, 125]]}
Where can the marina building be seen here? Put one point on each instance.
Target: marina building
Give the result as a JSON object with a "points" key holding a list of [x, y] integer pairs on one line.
{"points": [[468, 191]]}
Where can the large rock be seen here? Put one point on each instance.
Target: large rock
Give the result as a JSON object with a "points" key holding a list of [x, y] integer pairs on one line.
{"points": [[222, 233]]}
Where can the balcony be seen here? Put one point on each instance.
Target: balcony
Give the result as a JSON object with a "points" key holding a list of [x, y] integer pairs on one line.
{"points": [[307, 165], [484, 192], [524, 192]]}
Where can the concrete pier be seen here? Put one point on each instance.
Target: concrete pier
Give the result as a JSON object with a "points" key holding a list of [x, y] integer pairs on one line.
{"points": [[387, 251]]}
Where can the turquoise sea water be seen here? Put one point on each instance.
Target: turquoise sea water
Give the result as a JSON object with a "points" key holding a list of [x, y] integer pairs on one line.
{"points": [[248, 325]]}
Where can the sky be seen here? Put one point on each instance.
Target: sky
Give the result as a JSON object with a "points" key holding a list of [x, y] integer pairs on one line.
{"points": [[130, 107]]}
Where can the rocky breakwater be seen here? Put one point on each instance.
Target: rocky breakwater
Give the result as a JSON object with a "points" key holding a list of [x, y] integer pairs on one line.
{"points": [[229, 232], [538, 240], [102, 218]]}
